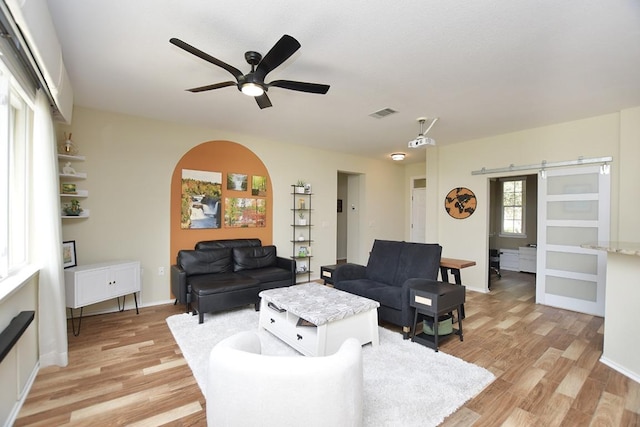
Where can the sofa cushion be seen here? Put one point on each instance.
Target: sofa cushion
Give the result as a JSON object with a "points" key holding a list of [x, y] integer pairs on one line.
{"points": [[388, 296], [267, 274], [207, 284], [227, 243], [249, 258], [205, 262], [418, 260], [360, 287], [383, 261]]}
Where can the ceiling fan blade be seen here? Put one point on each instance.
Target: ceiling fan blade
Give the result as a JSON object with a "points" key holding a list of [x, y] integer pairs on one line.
{"points": [[200, 54], [211, 87], [280, 52], [300, 86], [263, 101]]}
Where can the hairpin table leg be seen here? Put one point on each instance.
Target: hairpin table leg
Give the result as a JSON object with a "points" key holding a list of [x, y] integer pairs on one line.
{"points": [[73, 325]]}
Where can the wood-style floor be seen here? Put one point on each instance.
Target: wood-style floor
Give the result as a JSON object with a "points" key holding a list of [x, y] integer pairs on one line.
{"points": [[126, 369]]}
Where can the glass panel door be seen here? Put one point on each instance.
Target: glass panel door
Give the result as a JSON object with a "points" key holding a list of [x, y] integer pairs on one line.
{"points": [[573, 209]]}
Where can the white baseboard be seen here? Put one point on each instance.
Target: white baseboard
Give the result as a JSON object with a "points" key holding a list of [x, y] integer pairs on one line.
{"points": [[613, 365]]}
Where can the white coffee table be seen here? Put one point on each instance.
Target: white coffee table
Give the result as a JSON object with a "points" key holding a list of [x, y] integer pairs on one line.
{"points": [[315, 319]]}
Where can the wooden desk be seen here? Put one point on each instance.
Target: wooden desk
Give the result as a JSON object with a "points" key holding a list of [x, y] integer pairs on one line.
{"points": [[454, 266]]}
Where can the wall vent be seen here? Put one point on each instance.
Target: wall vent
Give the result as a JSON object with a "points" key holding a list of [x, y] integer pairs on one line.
{"points": [[383, 113]]}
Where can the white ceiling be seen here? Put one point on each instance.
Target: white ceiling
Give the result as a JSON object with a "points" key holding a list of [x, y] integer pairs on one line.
{"points": [[483, 67]]}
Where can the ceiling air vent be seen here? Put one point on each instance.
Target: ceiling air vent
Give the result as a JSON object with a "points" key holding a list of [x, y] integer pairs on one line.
{"points": [[383, 113]]}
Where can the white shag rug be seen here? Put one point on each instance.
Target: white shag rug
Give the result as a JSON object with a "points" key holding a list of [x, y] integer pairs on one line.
{"points": [[405, 383]]}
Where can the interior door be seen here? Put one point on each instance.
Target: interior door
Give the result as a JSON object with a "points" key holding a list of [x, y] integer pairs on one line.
{"points": [[573, 209], [418, 210], [418, 214]]}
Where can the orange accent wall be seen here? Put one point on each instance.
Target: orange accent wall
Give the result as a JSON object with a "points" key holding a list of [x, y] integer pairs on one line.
{"points": [[225, 157]]}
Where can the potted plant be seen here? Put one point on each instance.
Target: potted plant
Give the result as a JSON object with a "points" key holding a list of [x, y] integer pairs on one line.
{"points": [[299, 187], [73, 208], [301, 218]]}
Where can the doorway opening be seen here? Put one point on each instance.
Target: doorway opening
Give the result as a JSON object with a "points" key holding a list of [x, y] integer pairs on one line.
{"points": [[418, 219], [513, 225], [348, 216], [572, 207]]}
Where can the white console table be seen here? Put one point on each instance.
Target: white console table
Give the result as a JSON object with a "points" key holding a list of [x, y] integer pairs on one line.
{"points": [[527, 259], [521, 259], [93, 283]]}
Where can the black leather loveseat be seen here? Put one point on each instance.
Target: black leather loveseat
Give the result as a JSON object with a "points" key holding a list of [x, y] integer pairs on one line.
{"points": [[386, 277], [223, 274]]}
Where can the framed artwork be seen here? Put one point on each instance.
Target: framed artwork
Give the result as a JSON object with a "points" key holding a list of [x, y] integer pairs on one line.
{"points": [[68, 188], [69, 254], [258, 185], [200, 201], [237, 182], [240, 212]]}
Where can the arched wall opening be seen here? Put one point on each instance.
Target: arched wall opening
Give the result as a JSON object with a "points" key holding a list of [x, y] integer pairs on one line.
{"points": [[224, 157]]}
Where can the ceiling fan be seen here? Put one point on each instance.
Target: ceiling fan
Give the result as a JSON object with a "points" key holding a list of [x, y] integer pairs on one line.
{"points": [[422, 139], [253, 83]]}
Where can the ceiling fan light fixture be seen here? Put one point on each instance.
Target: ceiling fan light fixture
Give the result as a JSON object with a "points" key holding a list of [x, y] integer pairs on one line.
{"points": [[253, 84], [252, 89], [398, 156]]}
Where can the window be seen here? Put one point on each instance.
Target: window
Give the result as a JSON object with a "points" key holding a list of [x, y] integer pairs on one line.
{"points": [[16, 115], [513, 206]]}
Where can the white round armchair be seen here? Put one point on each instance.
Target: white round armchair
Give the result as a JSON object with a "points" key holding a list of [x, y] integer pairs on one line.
{"points": [[246, 388]]}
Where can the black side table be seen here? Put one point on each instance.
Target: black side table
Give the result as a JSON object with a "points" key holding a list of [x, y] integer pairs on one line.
{"points": [[326, 273], [434, 299]]}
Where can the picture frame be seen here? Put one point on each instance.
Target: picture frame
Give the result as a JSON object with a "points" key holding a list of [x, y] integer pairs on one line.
{"points": [[244, 212], [258, 185], [69, 254], [201, 204], [237, 181], [68, 188]]}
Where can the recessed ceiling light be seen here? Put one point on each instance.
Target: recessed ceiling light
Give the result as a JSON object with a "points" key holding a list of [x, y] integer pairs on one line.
{"points": [[398, 156]]}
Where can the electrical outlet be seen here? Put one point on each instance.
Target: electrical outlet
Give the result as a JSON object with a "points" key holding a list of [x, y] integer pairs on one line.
{"points": [[160, 271]]}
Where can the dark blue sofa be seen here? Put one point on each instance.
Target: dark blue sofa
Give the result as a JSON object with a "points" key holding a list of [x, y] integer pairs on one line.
{"points": [[386, 277]]}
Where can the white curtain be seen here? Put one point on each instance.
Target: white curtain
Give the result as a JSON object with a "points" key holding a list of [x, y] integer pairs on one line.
{"points": [[46, 239]]}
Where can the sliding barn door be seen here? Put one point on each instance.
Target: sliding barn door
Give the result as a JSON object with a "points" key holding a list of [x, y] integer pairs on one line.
{"points": [[573, 209]]}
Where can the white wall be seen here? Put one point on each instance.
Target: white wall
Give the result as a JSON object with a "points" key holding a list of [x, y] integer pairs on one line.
{"points": [[629, 177], [451, 166], [129, 162], [19, 367]]}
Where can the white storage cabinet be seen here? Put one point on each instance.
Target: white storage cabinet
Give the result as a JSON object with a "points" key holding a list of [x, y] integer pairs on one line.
{"points": [[528, 259], [90, 284], [510, 259]]}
